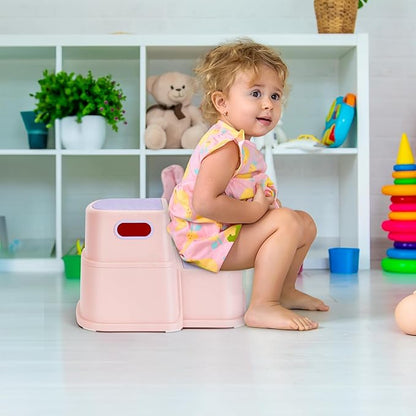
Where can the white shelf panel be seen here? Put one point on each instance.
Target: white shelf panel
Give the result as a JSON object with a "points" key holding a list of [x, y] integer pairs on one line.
{"points": [[27, 152], [101, 152], [321, 67]]}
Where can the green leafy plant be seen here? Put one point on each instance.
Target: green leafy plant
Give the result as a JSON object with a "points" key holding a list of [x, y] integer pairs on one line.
{"points": [[361, 3], [66, 94]]}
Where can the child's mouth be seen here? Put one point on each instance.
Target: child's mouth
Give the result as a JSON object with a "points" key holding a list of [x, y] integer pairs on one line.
{"points": [[264, 120]]}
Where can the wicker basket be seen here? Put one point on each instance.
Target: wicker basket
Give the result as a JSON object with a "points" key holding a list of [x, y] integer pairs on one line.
{"points": [[336, 16]]}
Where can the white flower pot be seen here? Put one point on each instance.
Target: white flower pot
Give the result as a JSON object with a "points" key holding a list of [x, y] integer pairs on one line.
{"points": [[87, 135]]}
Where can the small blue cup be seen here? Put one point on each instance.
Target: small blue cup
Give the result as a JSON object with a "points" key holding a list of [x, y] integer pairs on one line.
{"points": [[343, 260]]}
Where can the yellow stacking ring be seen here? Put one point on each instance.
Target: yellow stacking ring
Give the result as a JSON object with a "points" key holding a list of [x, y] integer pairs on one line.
{"points": [[402, 215], [404, 174], [401, 190]]}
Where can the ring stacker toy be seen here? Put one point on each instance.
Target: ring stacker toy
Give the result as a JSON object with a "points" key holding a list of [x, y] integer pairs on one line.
{"points": [[401, 226]]}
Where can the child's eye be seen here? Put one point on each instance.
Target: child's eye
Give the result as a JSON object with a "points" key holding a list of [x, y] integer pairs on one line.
{"points": [[275, 97], [256, 93]]}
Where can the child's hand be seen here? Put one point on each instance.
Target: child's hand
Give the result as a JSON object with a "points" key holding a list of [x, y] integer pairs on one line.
{"points": [[264, 198]]}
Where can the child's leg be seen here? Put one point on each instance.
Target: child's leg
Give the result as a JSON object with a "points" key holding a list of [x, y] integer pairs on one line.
{"points": [[270, 246], [292, 298]]}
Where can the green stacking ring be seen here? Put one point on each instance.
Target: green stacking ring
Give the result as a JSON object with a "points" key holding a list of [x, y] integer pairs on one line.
{"points": [[405, 181], [398, 265]]}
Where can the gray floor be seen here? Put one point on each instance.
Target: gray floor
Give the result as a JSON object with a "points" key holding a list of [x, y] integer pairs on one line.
{"points": [[357, 363]]}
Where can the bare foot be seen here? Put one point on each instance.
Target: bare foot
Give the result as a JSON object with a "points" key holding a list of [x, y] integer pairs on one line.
{"points": [[295, 299], [275, 316]]}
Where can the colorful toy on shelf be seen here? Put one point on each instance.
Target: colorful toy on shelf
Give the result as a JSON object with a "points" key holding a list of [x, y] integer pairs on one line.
{"points": [[405, 314], [401, 225], [339, 120]]}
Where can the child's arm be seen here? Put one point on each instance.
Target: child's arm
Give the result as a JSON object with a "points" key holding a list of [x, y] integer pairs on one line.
{"points": [[209, 199]]}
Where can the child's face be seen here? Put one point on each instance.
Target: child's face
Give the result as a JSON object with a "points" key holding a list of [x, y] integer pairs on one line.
{"points": [[254, 103]]}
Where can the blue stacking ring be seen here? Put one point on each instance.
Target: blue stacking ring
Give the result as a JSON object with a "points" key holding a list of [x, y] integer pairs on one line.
{"points": [[403, 166], [405, 245], [396, 253]]}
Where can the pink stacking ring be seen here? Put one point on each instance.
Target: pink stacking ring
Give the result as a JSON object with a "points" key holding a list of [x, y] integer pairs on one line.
{"points": [[404, 237], [399, 226], [403, 207]]}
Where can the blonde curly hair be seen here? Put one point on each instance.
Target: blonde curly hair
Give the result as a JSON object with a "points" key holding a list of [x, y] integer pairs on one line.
{"points": [[216, 71]]}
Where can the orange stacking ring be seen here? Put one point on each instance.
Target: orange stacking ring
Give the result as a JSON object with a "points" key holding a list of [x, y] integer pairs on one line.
{"points": [[402, 216], [404, 174], [401, 190]]}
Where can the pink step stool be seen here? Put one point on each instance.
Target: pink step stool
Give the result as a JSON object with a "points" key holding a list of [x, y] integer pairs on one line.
{"points": [[132, 278]]}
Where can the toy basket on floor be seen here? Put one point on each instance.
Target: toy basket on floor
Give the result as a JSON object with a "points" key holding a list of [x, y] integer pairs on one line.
{"points": [[336, 16]]}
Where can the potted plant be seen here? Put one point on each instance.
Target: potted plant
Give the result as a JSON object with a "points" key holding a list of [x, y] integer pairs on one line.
{"points": [[337, 16], [79, 101]]}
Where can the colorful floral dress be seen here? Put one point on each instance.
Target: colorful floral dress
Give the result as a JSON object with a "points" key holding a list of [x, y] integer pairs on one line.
{"points": [[200, 240]]}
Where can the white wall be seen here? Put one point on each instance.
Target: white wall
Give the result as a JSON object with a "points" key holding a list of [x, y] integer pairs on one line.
{"points": [[389, 23]]}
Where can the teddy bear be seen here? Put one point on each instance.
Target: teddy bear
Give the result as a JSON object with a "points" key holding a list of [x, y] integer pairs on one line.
{"points": [[173, 122]]}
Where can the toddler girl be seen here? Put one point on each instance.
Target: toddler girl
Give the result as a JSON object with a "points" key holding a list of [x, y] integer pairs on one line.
{"points": [[225, 214]]}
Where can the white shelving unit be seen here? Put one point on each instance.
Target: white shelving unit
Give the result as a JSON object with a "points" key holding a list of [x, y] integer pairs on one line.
{"points": [[43, 193]]}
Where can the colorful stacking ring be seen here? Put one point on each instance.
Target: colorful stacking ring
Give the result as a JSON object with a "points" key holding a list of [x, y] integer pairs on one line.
{"points": [[404, 174], [396, 253], [405, 237], [404, 166], [403, 207], [403, 199], [406, 227], [402, 190], [403, 245], [405, 181], [398, 265], [403, 216]]}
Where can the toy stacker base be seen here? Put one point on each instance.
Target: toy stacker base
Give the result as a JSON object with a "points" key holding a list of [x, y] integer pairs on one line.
{"points": [[404, 266], [150, 288]]}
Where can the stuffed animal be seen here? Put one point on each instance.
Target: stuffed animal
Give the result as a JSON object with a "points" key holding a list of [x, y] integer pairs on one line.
{"points": [[173, 122], [171, 176]]}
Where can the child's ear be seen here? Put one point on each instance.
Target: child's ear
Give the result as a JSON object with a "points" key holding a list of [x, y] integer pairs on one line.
{"points": [[219, 101]]}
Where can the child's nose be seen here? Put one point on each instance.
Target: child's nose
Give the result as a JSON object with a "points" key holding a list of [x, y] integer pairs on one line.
{"points": [[267, 104]]}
